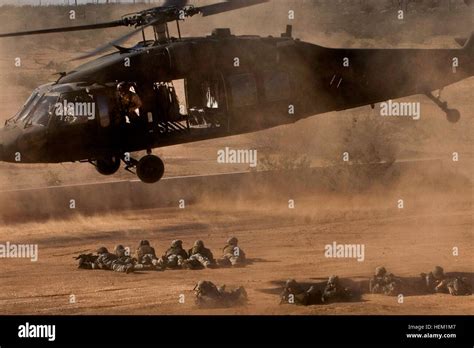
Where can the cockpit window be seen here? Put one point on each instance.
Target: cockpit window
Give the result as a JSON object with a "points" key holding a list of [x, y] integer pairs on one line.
{"points": [[75, 108], [27, 107], [43, 110]]}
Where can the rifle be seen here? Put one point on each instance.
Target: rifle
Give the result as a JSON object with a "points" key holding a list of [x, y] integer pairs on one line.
{"points": [[86, 260]]}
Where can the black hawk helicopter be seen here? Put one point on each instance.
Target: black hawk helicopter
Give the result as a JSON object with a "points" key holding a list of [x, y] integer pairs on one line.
{"points": [[125, 102]]}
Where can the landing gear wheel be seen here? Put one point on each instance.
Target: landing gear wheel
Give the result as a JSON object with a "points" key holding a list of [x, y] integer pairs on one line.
{"points": [[108, 166], [150, 169], [453, 115]]}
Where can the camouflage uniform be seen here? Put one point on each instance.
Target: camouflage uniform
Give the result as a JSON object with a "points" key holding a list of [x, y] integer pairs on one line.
{"points": [[109, 261], [232, 254], [437, 281], [293, 293], [209, 295], [334, 292], [175, 255], [199, 257], [87, 261], [128, 101], [146, 258], [121, 253], [459, 287], [383, 283]]}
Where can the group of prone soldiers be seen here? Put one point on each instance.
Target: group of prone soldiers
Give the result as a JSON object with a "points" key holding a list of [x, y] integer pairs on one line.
{"points": [[381, 283], [294, 293], [434, 282], [176, 257]]}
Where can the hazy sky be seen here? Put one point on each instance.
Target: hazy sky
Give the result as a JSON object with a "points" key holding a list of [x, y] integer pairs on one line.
{"points": [[65, 2]]}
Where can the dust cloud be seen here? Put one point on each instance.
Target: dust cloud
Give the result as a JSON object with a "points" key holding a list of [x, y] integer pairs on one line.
{"points": [[317, 141]]}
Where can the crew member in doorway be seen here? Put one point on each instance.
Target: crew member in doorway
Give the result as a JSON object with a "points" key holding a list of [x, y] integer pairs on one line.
{"points": [[130, 102]]}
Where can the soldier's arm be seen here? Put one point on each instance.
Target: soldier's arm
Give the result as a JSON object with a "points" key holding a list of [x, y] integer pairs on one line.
{"points": [[284, 296], [136, 102], [441, 285]]}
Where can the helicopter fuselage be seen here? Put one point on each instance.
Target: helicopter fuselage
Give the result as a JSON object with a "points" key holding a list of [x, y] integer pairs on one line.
{"points": [[231, 85]]}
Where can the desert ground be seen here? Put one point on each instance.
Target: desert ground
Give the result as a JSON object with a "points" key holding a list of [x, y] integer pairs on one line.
{"points": [[282, 243]]}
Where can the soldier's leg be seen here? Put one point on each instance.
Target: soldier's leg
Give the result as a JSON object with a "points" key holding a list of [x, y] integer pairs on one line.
{"points": [[144, 267], [126, 268], [314, 296], [236, 260], [224, 261], [172, 261], [458, 287], [204, 261], [118, 268], [194, 262], [376, 288], [180, 260], [330, 296], [158, 264]]}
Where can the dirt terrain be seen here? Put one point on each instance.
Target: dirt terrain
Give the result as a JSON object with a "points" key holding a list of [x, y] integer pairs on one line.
{"points": [[282, 243]]}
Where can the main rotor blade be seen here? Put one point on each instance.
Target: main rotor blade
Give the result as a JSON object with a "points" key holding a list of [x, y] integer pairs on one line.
{"points": [[177, 3], [66, 29], [229, 5], [115, 42]]}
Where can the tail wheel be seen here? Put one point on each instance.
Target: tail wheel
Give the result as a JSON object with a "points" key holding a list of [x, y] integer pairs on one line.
{"points": [[108, 166], [150, 169], [453, 115]]}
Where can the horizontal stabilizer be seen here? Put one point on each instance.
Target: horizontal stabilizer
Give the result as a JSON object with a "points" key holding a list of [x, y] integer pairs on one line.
{"points": [[461, 41], [469, 44]]}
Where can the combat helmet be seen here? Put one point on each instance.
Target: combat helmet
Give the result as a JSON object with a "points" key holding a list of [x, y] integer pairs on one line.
{"points": [[124, 87], [177, 243], [438, 272], [102, 250], [380, 271], [232, 241], [119, 250], [119, 247], [291, 283], [144, 242]]}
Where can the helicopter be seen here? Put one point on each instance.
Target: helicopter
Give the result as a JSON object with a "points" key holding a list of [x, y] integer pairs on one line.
{"points": [[126, 101]]}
